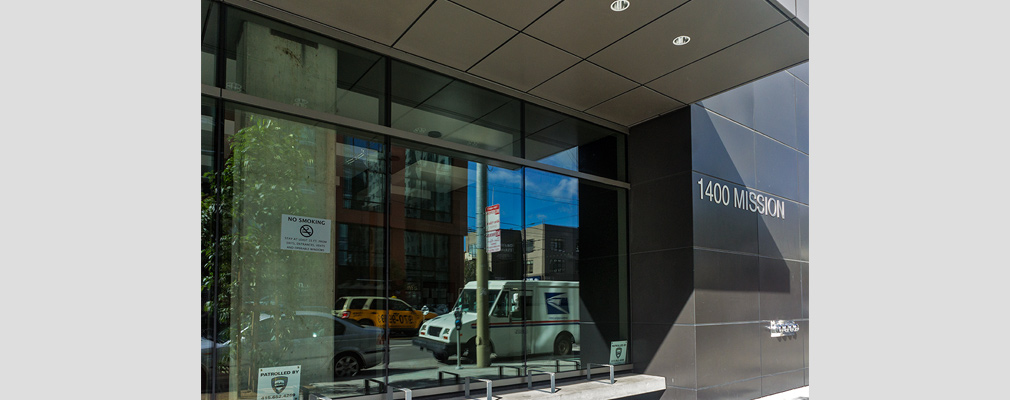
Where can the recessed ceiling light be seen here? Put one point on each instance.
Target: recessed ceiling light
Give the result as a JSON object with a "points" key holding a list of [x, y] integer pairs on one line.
{"points": [[681, 40], [435, 134], [620, 5]]}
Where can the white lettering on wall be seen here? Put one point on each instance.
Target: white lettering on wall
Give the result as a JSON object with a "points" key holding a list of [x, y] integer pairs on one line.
{"points": [[742, 199]]}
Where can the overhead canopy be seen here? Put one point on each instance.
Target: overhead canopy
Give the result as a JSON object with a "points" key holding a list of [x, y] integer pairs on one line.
{"points": [[622, 67]]}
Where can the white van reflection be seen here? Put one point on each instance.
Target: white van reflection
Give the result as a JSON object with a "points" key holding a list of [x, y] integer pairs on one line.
{"points": [[548, 309]]}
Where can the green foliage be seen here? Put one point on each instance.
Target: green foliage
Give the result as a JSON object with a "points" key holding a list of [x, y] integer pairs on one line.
{"points": [[268, 174]]}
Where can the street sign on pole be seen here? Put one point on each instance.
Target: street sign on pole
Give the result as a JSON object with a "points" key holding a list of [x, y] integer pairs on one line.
{"points": [[494, 241], [493, 217], [493, 224]]}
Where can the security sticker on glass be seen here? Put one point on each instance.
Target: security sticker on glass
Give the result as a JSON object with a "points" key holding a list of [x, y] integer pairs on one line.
{"points": [[278, 383]]}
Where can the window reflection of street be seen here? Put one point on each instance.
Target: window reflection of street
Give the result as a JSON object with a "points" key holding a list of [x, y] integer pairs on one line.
{"points": [[402, 219]]}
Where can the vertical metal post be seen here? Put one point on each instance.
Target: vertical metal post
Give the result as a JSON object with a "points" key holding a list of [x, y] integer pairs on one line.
{"points": [[482, 347], [386, 251]]}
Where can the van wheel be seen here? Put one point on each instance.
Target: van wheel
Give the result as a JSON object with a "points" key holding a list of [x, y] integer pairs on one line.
{"points": [[563, 344], [366, 322]]}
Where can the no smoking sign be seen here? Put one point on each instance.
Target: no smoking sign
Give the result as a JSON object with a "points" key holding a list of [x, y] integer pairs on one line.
{"points": [[300, 233]]}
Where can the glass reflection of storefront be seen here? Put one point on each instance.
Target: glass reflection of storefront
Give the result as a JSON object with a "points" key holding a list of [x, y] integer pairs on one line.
{"points": [[341, 253]]}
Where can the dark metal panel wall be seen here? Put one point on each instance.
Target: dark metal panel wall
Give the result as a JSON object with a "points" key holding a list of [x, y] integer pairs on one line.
{"points": [[708, 275]]}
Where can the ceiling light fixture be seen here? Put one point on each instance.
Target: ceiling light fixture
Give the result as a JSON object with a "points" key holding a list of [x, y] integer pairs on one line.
{"points": [[620, 5], [681, 40]]}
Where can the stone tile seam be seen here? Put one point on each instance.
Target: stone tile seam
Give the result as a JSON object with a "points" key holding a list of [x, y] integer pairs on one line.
{"points": [[738, 381], [743, 253], [727, 323], [739, 253], [661, 250], [664, 177], [683, 325], [752, 129]]}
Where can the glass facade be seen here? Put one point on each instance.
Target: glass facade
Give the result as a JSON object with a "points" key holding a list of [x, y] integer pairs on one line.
{"points": [[342, 253]]}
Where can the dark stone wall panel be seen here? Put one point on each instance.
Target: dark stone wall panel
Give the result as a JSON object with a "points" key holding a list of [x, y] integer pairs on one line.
{"points": [[805, 290], [781, 354], [780, 237], [661, 214], [670, 273], [804, 216], [666, 350], [726, 287], [736, 104], [729, 353], [805, 327], [776, 168], [750, 389], [660, 147], [673, 393], [722, 226], [775, 107], [781, 383], [721, 148], [781, 289], [802, 72], [803, 169], [803, 117]]}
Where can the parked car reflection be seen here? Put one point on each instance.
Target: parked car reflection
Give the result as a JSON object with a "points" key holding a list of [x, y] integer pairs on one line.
{"points": [[323, 345], [371, 310]]}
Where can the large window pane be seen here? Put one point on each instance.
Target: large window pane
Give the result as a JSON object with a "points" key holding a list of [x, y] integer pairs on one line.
{"points": [[437, 106], [437, 252], [278, 62], [602, 254], [553, 334], [358, 302], [291, 252], [562, 141]]}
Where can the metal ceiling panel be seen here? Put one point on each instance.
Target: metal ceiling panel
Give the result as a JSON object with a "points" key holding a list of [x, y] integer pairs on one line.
{"points": [[481, 40], [583, 86], [515, 13], [380, 20], [770, 51], [584, 27], [455, 36], [635, 106], [712, 25], [523, 63]]}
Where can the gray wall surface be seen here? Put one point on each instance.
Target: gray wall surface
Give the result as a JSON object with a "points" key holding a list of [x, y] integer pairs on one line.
{"points": [[708, 270]]}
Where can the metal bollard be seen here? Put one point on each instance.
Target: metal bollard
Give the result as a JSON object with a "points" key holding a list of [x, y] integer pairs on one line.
{"points": [[440, 373], [389, 392], [529, 379], [501, 375], [467, 387], [589, 371], [368, 389]]}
